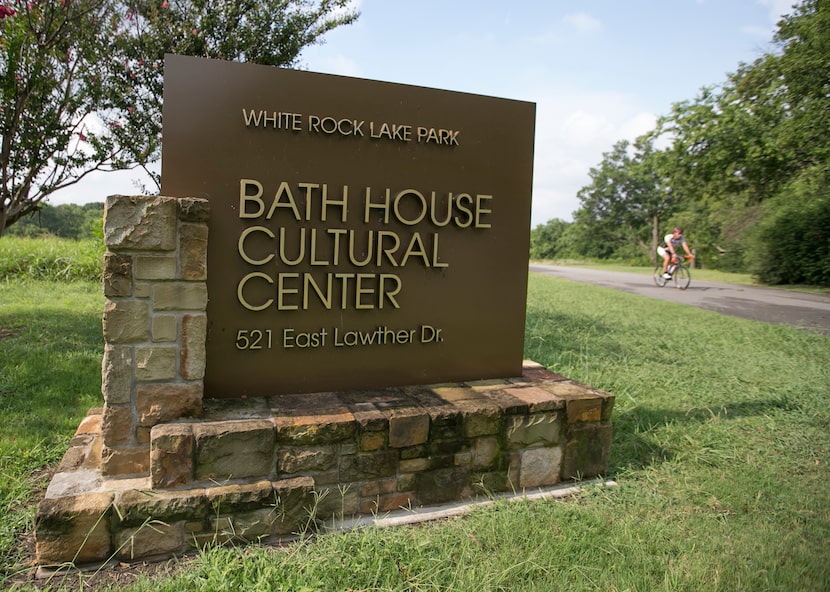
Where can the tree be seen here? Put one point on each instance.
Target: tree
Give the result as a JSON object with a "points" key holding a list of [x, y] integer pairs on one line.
{"points": [[546, 239], [50, 72], [628, 195], [82, 80]]}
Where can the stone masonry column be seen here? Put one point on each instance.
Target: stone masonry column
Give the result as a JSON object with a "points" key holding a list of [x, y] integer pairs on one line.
{"points": [[154, 322]]}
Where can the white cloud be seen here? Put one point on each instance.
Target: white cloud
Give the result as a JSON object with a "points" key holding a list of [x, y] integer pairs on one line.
{"points": [[777, 8], [573, 130], [338, 64], [584, 23]]}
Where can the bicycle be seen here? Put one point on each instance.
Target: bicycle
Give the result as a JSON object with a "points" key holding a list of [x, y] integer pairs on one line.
{"points": [[680, 274]]}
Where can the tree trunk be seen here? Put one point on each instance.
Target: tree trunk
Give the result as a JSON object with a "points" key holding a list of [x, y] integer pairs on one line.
{"points": [[655, 238]]}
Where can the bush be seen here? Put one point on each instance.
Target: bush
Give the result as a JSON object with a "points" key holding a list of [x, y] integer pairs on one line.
{"points": [[794, 241]]}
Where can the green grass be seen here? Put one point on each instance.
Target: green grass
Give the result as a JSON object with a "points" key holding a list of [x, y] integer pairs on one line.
{"points": [[50, 376], [51, 258], [720, 449]]}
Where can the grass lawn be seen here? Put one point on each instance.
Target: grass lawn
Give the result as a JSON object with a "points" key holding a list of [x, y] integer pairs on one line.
{"points": [[720, 449]]}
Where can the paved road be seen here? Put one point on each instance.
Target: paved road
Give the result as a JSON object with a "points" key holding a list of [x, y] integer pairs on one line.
{"points": [[761, 304]]}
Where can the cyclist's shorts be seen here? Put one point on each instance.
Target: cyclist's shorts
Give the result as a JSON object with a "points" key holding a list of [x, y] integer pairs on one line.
{"points": [[661, 251]]}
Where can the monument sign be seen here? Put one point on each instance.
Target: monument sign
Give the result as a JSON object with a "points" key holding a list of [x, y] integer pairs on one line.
{"points": [[362, 233]]}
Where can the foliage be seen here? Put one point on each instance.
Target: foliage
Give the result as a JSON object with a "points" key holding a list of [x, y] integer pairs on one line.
{"points": [[82, 80], [732, 160], [546, 240], [66, 221], [53, 74], [795, 238]]}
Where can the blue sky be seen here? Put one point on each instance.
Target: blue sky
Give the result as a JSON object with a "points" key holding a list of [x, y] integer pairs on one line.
{"points": [[598, 70]]}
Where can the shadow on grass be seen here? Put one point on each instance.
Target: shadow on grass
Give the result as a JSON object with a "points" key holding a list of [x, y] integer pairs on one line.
{"points": [[633, 448], [548, 336], [51, 373]]}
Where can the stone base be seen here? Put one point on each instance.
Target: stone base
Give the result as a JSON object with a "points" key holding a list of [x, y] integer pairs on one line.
{"points": [[270, 468]]}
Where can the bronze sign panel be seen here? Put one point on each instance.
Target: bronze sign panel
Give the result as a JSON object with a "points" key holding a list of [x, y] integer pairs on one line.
{"points": [[362, 234]]}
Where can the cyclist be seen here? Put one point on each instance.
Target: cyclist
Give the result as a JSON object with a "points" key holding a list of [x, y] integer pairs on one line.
{"points": [[668, 249]]}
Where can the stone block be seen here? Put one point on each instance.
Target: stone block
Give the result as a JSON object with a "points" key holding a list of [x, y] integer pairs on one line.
{"points": [[587, 408], [389, 502], [539, 429], [243, 526], [230, 409], [91, 423], [364, 467], [154, 267], [414, 452], [193, 210], [117, 374], [133, 460], [180, 296], [234, 449], [408, 428], [373, 488], [368, 418], [171, 455], [242, 497], [302, 460], [485, 453], [135, 507], [335, 502], [587, 448], [442, 485], [117, 426], [74, 482], [76, 455], [536, 398], [480, 418], [73, 529], [490, 482], [160, 402], [194, 333], [453, 394], [193, 252], [155, 538], [540, 467], [292, 499], [414, 465], [607, 405], [370, 441], [126, 321], [140, 223], [406, 482], [315, 429], [156, 362], [165, 328], [117, 276]]}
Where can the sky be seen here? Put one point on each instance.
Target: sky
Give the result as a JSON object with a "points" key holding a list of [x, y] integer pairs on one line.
{"points": [[599, 71]]}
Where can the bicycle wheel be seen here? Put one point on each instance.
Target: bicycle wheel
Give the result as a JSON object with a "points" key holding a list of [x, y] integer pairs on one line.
{"points": [[659, 280], [682, 277]]}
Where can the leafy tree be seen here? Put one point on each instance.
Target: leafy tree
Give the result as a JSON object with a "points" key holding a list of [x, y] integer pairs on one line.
{"points": [[546, 240], [65, 220], [793, 239], [745, 165], [51, 73], [628, 195], [81, 80]]}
